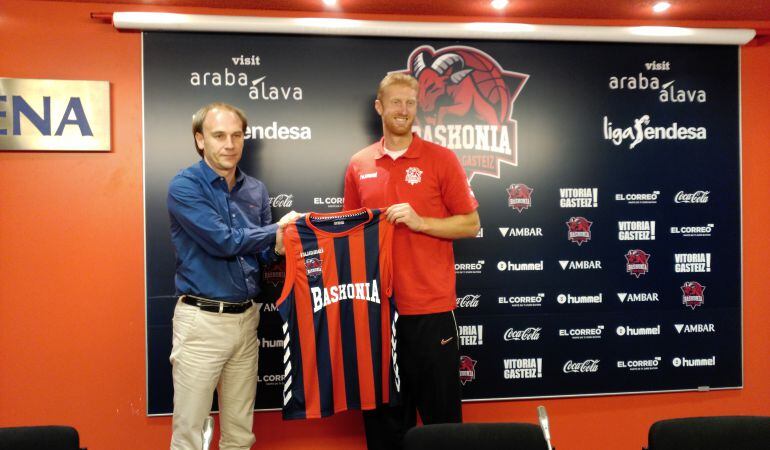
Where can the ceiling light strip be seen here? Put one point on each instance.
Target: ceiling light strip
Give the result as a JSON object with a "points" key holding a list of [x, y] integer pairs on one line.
{"points": [[476, 30]]}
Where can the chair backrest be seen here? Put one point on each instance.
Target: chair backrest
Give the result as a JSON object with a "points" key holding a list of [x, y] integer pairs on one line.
{"points": [[711, 433], [50, 437], [476, 436]]}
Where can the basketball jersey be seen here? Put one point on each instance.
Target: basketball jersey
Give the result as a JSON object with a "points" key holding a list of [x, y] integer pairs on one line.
{"points": [[338, 316]]}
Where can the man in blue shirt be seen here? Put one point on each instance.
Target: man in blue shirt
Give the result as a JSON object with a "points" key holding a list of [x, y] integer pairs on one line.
{"points": [[221, 229]]}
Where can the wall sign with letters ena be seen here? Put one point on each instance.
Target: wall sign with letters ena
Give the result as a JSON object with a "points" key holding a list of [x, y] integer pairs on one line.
{"points": [[59, 115]]}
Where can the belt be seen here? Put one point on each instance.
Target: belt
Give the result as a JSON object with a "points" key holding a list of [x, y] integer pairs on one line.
{"points": [[217, 306]]}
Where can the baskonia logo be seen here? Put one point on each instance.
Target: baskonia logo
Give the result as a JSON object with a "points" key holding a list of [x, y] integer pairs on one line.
{"points": [[275, 273], [637, 262], [692, 294], [519, 196], [465, 102], [467, 369], [313, 267], [579, 230]]}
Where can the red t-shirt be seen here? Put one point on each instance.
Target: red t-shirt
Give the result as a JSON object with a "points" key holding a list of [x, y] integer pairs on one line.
{"points": [[430, 178]]}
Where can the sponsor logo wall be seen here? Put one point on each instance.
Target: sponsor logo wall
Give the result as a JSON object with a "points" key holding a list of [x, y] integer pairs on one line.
{"points": [[607, 181]]}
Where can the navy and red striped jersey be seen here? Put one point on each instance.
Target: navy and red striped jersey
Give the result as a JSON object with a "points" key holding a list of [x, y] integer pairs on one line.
{"points": [[338, 315]]}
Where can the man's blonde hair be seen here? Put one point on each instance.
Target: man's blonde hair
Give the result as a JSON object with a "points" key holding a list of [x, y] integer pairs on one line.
{"points": [[200, 116], [390, 79]]}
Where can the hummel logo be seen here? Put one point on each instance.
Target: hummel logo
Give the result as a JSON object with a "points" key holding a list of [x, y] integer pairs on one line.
{"points": [[446, 341]]}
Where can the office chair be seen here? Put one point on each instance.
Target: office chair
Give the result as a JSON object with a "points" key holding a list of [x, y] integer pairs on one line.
{"points": [[49, 437], [711, 433]]}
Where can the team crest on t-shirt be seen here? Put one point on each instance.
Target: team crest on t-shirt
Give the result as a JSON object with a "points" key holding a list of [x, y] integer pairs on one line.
{"points": [[413, 175], [314, 268]]}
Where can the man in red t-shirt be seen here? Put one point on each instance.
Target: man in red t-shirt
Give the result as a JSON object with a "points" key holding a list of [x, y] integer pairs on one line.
{"points": [[424, 188]]}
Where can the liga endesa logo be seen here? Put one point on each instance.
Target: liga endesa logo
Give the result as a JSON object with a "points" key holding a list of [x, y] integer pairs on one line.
{"points": [[465, 103]]}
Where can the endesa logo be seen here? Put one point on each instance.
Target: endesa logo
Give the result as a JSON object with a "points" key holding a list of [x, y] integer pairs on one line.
{"points": [[578, 197], [466, 104], [642, 130], [276, 132], [587, 366]]}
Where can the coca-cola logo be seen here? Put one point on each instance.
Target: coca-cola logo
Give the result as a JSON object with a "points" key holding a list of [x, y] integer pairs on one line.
{"points": [[692, 197], [282, 201], [587, 366], [529, 334], [469, 301]]}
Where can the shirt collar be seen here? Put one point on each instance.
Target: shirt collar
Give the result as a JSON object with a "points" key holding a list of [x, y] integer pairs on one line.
{"points": [[210, 176], [412, 152]]}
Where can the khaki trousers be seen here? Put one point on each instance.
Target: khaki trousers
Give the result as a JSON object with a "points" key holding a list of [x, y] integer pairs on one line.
{"points": [[212, 350]]}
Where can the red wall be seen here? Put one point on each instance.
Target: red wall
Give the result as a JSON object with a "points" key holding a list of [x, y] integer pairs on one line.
{"points": [[72, 285]]}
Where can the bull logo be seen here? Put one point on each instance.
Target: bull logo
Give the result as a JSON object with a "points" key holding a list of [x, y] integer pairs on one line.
{"points": [[637, 262], [579, 230], [467, 369], [692, 294], [519, 196], [465, 102]]}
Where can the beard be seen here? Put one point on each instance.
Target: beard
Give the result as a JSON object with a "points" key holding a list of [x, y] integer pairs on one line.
{"points": [[397, 128]]}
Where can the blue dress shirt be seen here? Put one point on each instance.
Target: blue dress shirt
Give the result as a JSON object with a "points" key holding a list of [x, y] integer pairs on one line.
{"points": [[219, 235]]}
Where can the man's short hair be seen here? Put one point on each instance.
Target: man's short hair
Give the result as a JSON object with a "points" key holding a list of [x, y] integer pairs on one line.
{"points": [[200, 116], [390, 79]]}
